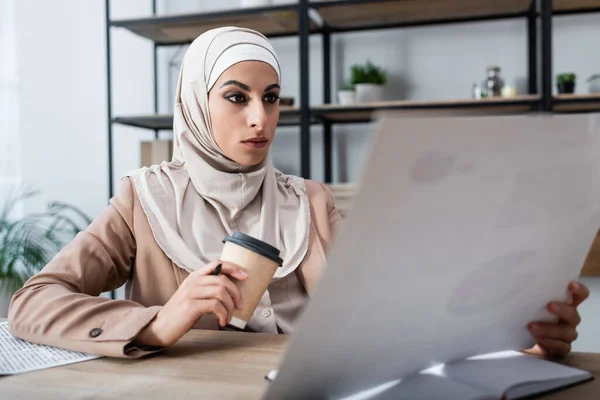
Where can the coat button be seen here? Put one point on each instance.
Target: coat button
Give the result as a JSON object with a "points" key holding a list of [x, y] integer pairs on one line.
{"points": [[95, 332], [266, 313]]}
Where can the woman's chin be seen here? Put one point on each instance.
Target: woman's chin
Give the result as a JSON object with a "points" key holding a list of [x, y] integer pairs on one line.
{"points": [[250, 161], [252, 157]]}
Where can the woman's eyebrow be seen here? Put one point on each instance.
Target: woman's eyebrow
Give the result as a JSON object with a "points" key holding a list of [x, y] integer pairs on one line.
{"points": [[271, 87], [237, 83]]}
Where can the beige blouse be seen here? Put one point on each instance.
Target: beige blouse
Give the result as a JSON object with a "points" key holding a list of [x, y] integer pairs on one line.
{"points": [[60, 305]]}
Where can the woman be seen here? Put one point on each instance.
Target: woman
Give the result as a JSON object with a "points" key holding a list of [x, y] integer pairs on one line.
{"points": [[162, 233]]}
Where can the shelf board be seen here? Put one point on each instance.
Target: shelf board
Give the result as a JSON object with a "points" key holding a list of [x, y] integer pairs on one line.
{"points": [[287, 116], [290, 116], [491, 106], [339, 15], [575, 6], [577, 102], [150, 121], [345, 15], [272, 21]]}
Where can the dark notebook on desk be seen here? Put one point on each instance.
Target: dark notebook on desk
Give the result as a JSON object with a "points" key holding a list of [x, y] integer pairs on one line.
{"points": [[506, 375]]}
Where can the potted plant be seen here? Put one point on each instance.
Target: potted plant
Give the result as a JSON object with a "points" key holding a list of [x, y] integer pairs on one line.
{"points": [[566, 83], [368, 79], [28, 243], [347, 94], [594, 83]]}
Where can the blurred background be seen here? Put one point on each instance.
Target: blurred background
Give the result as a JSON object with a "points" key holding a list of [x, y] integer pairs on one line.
{"points": [[86, 87]]}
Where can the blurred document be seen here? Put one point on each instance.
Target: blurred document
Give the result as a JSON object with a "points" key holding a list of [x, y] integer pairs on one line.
{"points": [[461, 232], [18, 356]]}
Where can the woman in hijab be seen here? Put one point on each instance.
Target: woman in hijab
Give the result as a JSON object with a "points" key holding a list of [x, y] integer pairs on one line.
{"points": [[162, 233]]}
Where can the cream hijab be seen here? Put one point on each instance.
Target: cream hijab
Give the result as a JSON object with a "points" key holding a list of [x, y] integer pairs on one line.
{"points": [[201, 196]]}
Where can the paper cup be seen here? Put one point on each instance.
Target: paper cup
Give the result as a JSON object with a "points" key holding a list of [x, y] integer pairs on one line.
{"points": [[260, 260]]}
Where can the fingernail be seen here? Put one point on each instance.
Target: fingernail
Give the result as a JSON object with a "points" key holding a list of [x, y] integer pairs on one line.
{"points": [[576, 285], [243, 273]]}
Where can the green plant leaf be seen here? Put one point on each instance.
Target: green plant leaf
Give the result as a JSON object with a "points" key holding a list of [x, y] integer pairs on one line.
{"points": [[566, 77], [29, 243], [367, 73]]}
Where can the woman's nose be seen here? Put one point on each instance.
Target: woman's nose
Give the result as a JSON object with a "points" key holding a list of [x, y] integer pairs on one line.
{"points": [[257, 116]]}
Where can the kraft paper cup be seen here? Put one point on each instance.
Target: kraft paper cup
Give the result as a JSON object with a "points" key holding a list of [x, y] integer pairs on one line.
{"points": [[260, 260]]}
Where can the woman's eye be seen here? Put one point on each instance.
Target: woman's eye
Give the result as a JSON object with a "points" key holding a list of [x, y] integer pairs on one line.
{"points": [[236, 98], [271, 98]]}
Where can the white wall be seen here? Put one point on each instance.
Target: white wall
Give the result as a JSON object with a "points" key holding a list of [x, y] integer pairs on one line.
{"points": [[63, 89], [63, 101], [10, 163]]}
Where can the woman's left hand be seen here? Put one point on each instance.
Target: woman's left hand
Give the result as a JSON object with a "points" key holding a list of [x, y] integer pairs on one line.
{"points": [[553, 339]]}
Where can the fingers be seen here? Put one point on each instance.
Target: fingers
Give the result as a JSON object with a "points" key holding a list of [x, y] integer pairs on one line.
{"points": [[225, 282], [216, 307], [217, 293], [555, 338], [568, 314], [550, 331], [226, 268], [554, 348], [579, 292]]}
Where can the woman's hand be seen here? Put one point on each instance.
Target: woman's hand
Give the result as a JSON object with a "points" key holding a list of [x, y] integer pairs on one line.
{"points": [[200, 293], [553, 339]]}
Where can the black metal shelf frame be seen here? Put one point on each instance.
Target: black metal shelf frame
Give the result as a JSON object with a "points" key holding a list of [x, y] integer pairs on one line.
{"points": [[538, 72]]}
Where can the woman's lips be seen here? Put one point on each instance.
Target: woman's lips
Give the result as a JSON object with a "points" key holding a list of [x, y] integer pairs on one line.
{"points": [[257, 143]]}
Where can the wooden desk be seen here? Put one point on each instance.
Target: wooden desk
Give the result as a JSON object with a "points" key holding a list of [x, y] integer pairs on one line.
{"points": [[203, 365]]}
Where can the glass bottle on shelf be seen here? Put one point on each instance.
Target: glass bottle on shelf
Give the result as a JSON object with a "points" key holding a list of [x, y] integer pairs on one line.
{"points": [[494, 83]]}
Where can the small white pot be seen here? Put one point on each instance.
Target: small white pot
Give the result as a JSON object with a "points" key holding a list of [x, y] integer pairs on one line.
{"points": [[368, 92], [594, 86], [255, 3], [346, 97]]}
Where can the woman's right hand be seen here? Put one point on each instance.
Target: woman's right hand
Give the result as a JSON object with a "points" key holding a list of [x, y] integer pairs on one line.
{"points": [[200, 293]]}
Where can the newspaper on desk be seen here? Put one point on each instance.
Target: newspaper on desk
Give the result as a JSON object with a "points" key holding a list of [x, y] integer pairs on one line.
{"points": [[18, 356], [462, 230]]}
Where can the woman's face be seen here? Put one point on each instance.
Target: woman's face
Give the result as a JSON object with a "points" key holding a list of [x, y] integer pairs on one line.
{"points": [[244, 111]]}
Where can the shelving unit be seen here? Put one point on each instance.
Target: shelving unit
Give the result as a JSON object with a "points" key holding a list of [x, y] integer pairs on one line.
{"points": [[356, 15], [577, 103], [330, 17], [334, 113], [561, 7], [327, 18], [288, 116], [272, 21]]}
